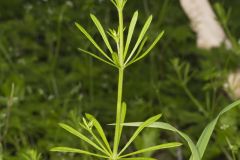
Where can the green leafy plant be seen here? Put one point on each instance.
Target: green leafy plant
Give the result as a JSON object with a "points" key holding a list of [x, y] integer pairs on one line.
{"points": [[5, 126], [31, 155], [120, 59], [199, 149], [183, 77]]}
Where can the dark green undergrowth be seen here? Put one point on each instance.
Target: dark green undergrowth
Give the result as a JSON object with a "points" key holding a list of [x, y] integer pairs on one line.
{"points": [[55, 83]]}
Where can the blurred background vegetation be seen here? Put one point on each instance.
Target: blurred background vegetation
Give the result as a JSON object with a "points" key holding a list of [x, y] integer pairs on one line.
{"points": [[55, 83]]}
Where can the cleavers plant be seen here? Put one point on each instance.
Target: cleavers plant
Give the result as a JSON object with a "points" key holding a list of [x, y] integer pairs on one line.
{"points": [[121, 58]]}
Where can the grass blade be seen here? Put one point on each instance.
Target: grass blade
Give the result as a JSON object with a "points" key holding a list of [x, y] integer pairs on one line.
{"points": [[154, 148], [130, 31], [207, 133], [149, 49], [101, 31], [99, 128], [92, 40], [74, 150], [97, 57], [166, 126], [139, 129], [140, 38], [81, 136]]}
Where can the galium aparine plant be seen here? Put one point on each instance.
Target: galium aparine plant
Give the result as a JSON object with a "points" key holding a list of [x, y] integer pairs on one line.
{"points": [[120, 59]]}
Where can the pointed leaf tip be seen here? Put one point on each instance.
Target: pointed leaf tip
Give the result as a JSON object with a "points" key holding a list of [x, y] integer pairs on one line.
{"points": [[77, 24], [61, 124], [140, 38], [101, 31]]}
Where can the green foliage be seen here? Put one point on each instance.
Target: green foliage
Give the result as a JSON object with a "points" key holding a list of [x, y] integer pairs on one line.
{"points": [[53, 82], [31, 155], [117, 60], [168, 127], [200, 148], [208, 131]]}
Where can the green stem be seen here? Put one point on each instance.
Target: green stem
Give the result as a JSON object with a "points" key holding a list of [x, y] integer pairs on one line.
{"points": [[121, 38], [189, 93], [120, 85], [194, 100], [118, 116], [1, 151]]}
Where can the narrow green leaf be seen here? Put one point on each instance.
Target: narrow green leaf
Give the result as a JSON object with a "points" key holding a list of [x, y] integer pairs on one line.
{"points": [[130, 32], [139, 129], [140, 38], [139, 158], [102, 32], [166, 126], [89, 37], [207, 132], [74, 150], [140, 48], [149, 49], [99, 128], [81, 136], [154, 148], [97, 57], [114, 3]]}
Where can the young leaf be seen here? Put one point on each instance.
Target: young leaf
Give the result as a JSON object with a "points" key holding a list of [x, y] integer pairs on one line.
{"points": [[168, 127], [113, 33], [102, 32], [74, 150], [92, 41], [97, 57], [88, 127], [154, 148], [149, 49], [130, 32], [115, 58], [81, 136], [119, 3], [99, 128], [139, 129], [140, 38], [207, 132]]}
